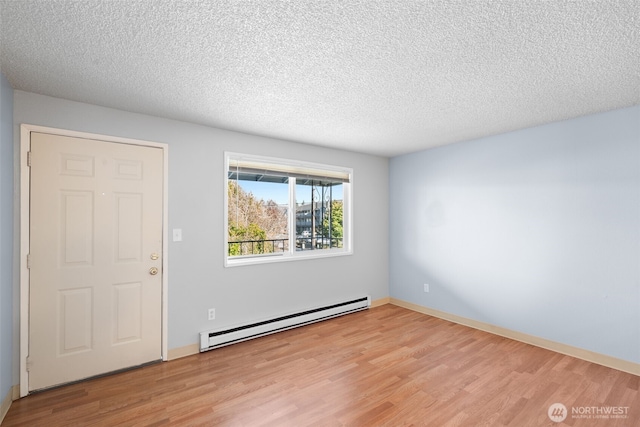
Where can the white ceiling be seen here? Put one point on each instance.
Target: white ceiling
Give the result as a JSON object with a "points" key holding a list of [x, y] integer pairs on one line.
{"points": [[384, 77]]}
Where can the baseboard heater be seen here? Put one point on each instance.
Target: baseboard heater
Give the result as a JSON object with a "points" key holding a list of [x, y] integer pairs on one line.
{"points": [[220, 338]]}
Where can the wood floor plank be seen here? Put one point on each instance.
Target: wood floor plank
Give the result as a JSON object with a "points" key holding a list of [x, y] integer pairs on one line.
{"points": [[387, 366]]}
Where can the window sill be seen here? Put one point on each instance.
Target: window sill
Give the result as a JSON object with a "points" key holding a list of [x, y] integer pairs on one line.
{"points": [[299, 256]]}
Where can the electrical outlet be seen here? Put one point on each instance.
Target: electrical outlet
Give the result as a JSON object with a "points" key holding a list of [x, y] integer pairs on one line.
{"points": [[426, 287], [212, 314]]}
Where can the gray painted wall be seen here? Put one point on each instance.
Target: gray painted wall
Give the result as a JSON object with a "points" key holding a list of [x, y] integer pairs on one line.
{"points": [[197, 278], [537, 231], [6, 236]]}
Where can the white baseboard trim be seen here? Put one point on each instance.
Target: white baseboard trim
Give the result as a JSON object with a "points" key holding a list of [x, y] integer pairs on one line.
{"points": [[580, 353], [187, 350], [379, 302], [12, 394]]}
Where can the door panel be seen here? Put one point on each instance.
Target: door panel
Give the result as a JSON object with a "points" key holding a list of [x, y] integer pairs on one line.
{"points": [[128, 217], [75, 310], [76, 245], [127, 312], [96, 219]]}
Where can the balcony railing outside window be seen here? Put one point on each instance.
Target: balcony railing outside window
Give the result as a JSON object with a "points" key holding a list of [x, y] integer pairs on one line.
{"points": [[257, 247], [278, 246]]}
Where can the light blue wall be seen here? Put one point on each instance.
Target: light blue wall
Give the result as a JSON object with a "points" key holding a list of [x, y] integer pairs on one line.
{"points": [[197, 278], [537, 231], [6, 236]]}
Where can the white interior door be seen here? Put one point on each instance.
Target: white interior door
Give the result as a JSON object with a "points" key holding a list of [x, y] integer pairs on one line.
{"points": [[95, 301]]}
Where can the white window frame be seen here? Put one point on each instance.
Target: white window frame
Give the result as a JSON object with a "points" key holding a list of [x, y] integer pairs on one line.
{"points": [[291, 254]]}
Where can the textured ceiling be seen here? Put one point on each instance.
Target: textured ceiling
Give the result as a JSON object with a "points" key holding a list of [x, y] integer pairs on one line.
{"points": [[383, 77]]}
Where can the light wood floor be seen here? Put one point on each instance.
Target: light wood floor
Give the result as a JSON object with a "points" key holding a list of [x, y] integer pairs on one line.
{"points": [[385, 366]]}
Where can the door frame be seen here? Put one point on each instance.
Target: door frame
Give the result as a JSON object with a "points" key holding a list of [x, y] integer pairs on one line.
{"points": [[25, 185]]}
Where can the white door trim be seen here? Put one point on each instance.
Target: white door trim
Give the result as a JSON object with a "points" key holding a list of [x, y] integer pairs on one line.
{"points": [[25, 145]]}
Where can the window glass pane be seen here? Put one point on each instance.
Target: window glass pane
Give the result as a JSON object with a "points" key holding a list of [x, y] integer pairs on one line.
{"points": [[319, 219], [257, 216]]}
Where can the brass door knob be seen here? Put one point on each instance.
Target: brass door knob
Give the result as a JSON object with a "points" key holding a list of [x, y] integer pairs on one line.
{"points": [[153, 271]]}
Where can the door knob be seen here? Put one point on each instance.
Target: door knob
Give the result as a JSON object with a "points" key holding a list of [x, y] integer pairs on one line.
{"points": [[153, 271]]}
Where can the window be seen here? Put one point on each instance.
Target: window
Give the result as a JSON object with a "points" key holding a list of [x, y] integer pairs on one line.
{"points": [[280, 210]]}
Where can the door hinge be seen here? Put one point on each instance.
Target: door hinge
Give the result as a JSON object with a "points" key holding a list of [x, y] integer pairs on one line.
{"points": [[29, 363], [28, 260], [28, 158]]}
